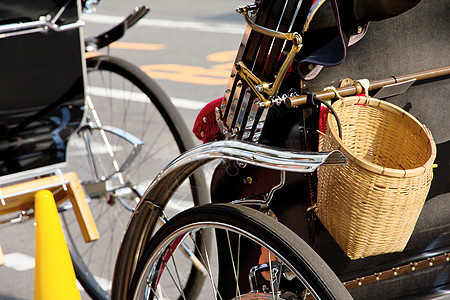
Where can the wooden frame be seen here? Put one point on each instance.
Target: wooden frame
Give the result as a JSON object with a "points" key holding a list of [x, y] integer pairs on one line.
{"points": [[20, 196]]}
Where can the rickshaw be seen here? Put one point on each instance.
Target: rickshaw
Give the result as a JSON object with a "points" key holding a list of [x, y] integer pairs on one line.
{"points": [[280, 223]]}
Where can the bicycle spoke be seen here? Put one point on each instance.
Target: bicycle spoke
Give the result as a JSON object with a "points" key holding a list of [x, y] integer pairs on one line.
{"points": [[119, 96], [241, 230], [235, 268], [173, 279]]}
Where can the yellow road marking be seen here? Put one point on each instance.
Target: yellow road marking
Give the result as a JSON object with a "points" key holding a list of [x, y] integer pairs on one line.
{"points": [[223, 56], [216, 75], [91, 54]]}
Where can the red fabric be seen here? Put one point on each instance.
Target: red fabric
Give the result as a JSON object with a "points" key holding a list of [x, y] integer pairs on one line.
{"points": [[205, 125], [323, 119]]}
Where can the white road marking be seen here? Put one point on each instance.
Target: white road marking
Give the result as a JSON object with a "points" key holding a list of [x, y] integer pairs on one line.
{"points": [[19, 261], [139, 97], [188, 104], [229, 28]]}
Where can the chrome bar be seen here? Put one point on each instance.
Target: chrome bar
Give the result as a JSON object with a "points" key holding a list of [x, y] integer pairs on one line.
{"points": [[33, 190], [130, 138], [22, 26], [259, 155], [42, 25], [170, 178]]}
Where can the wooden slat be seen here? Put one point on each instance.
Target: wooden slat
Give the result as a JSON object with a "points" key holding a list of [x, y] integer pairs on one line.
{"points": [[20, 197], [82, 210]]}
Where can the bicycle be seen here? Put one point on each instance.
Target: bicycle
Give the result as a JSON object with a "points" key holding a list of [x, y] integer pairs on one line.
{"points": [[262, 166], [117, 137]]}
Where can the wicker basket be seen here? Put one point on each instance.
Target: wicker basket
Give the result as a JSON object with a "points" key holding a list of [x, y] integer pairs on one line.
{"points": [[371, 205]]}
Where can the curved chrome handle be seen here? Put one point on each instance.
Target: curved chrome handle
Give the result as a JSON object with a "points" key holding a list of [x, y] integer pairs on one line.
{"points": [[291, 36], [259, 155], [135, 142], [171, 177]]}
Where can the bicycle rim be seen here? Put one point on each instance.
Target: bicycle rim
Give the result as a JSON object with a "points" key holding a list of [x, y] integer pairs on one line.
{"points": [[256, 258]]}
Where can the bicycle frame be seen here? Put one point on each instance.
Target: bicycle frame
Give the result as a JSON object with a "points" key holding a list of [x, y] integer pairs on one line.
{"points": [[169, 179]]}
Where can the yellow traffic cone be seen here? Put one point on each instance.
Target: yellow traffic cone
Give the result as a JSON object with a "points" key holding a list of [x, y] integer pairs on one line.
{"points": [[54, 277]]}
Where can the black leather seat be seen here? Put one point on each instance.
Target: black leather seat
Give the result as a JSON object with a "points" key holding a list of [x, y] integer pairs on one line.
{"points": [[42, 90]]}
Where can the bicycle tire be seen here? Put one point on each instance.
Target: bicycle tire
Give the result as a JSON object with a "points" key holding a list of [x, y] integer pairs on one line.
{"points": [[172, 138], [293, 254]]}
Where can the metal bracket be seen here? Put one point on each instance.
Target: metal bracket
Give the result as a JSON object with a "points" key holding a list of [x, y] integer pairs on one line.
{"points": [[257, 85], [394, 89]]}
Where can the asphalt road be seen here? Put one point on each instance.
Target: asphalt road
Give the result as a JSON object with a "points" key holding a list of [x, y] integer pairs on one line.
{"points": [[187, 46], [190, 44]]}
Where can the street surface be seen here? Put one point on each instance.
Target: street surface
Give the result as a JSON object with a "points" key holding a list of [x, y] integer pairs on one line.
{"points": [[187, 46]]}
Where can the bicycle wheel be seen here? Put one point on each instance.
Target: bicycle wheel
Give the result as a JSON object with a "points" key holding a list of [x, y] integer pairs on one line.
{"points": [[256, 258], [131, 131]]}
